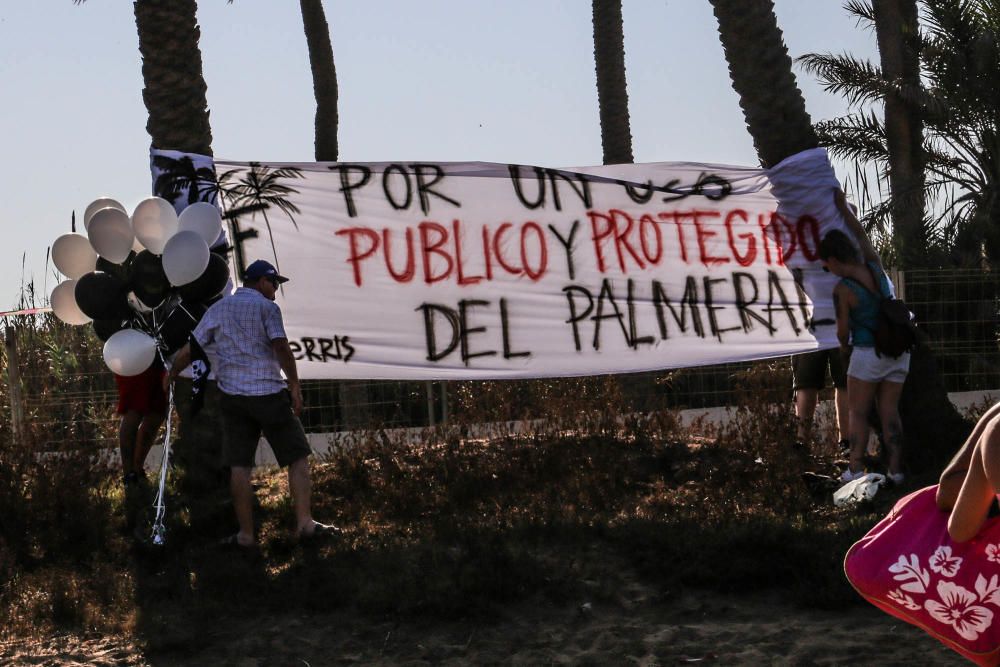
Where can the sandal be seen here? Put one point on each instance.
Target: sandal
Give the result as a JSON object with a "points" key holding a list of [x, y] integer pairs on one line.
{"points": [[321, 531]]}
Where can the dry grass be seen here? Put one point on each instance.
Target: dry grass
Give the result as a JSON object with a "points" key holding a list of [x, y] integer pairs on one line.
{"points": [[457, 525], [453, 526]]}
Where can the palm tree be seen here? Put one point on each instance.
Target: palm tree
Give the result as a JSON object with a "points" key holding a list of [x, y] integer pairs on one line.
{"points": [[775, 113], [761, 71], [354, 396], [896, 31], [174, 94], [174, 91], [612, 97], [324, 75], [957, 101]]}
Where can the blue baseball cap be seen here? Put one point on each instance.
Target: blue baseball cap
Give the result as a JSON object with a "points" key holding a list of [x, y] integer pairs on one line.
{"points": [[263, 269]]}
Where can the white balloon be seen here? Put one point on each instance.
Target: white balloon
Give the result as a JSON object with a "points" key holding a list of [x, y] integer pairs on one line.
{"points": [[185, 257], [154, 221], [203, 218], [64, 304], [73, 256], [129, 352], [96, 205], [111, 235]]}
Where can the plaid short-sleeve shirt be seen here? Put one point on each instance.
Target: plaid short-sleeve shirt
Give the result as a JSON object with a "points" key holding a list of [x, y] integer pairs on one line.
{"points": [[236, 333]]}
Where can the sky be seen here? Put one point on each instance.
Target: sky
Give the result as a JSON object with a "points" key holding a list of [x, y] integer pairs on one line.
{"points": [[434, 80]]}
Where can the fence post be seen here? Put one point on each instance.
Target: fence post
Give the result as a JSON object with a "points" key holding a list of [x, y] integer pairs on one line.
{"points": [[14, 385], [898, 277], [444, 402], [429, 390]]}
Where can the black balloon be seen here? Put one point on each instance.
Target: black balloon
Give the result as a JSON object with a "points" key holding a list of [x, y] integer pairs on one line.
{"points": [[149, 282], [212, 281], [179, 324], [105, 328], [121, 271], [101, 296]]}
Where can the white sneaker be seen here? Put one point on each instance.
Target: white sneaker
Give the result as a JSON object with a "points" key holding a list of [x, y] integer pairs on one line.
{"points": [[848, 476]]}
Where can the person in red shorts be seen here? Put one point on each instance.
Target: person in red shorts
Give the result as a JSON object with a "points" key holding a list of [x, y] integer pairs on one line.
{"points": [[142, 405]]}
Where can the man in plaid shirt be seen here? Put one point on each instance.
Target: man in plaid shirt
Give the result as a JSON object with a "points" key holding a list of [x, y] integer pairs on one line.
{"points": [[246, 342]]}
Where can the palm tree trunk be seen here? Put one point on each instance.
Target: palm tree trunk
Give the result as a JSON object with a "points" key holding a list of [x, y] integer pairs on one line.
{"points": [[324, 75], [174, 90], [761, 71], [354, 399], [776, 116], [896, 33], [924, 405], [174, 95], [612, 96]]}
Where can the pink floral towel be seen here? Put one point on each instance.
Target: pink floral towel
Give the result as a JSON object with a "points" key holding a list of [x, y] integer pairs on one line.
{"points": [[908, 566]]}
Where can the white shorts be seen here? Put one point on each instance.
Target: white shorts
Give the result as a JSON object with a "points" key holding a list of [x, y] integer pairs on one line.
{"points": [[867, 366]]}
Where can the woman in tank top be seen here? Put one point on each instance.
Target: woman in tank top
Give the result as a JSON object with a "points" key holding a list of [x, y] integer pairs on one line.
{"points": [[871, 378]]}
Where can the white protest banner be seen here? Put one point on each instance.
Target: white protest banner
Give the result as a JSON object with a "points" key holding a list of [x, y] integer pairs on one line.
{"points": [[476, 270]]}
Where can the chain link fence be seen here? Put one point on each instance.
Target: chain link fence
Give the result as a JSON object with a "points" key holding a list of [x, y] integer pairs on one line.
{"points": [[63, 397]]}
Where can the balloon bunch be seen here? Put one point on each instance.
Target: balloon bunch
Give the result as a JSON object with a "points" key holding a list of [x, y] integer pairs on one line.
{"points": [[144, 281]]}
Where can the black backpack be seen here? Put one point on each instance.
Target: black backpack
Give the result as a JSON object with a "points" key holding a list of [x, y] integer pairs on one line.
{"points": [[895, 331]]}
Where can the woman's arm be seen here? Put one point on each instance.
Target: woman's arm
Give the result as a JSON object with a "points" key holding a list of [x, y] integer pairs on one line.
{"points": [[972, 505], [842, 302], [867, 249], [982, 482], [954, 473]]}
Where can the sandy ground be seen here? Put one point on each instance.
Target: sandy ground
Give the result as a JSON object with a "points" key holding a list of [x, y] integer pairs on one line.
{"points": [[636, 629]]}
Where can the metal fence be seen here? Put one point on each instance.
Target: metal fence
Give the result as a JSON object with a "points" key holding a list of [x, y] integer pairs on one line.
{"points": [[66, 395]]}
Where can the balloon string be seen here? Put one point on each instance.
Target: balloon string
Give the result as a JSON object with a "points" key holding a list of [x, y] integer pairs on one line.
{"points": [[159, 529]]}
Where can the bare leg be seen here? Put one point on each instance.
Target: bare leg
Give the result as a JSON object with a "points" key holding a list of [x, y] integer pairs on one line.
{"points": [[127, 431], [242, 492], [860, 395], [300, 487], [145, 438], [843, 413], [805, 410], [955, 472], [892, 426], [979, 488]]}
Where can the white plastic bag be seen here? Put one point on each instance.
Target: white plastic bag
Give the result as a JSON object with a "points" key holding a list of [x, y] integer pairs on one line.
{"points": [[863, 488]]}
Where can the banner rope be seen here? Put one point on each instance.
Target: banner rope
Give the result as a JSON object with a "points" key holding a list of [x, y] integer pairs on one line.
{"points": [[26, 311]]}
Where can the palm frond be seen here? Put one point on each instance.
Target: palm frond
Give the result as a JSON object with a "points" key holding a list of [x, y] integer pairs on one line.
{"points": [[863, 12], [858, 137], [858, 81]]}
